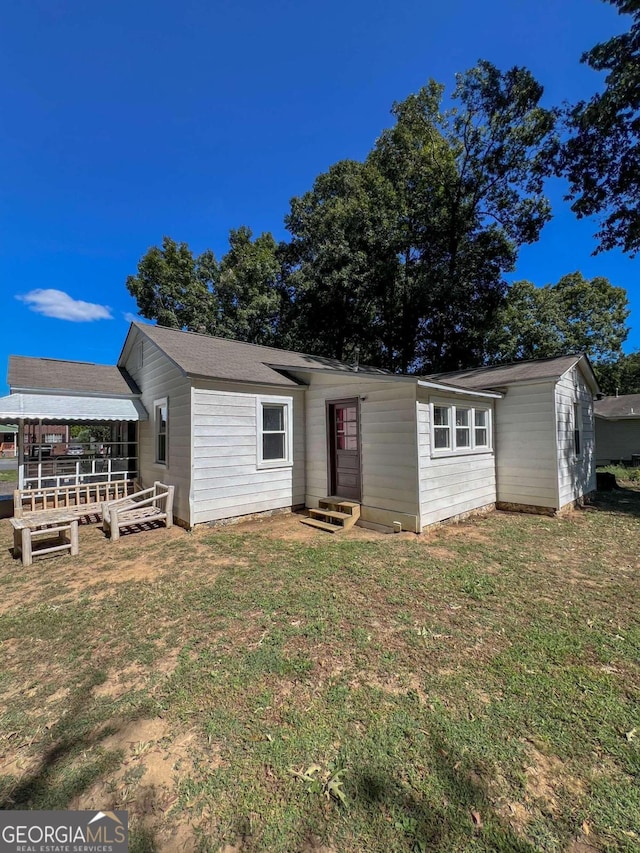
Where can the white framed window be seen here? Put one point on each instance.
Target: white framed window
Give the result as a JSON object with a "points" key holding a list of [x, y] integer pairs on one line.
{"points": [[577, 429], [460, 429], [481, 428], [275, 432], [52, 438], [441, 428], [463, 427], [161, 430]]}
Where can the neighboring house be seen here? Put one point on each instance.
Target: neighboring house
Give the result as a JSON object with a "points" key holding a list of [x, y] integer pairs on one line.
{"points": [[618, 429], [8, 440], [241, 429]]}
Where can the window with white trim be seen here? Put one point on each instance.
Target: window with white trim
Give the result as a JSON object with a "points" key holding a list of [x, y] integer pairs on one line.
{"points": [[460, 429], [577, 429], [52, 438], [274, 417], [481, 428], [161, 429], [441, 428]]}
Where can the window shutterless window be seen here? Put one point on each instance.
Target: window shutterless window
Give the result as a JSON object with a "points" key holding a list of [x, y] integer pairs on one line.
{"points": [[274, 417], [441, 428], [577, 427], [161, 427], [463, 428], [460, 429], [274, 435], [481, 438]]}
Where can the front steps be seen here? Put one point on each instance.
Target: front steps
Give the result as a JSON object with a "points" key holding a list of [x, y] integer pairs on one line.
{"points": [[335, 514]]}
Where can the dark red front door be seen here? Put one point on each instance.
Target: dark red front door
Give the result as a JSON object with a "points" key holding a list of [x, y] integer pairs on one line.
{"points": [[344, 449]]}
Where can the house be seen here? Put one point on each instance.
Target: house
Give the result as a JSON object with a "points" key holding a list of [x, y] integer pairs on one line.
{"points": [[618, 429], [241, 429]]}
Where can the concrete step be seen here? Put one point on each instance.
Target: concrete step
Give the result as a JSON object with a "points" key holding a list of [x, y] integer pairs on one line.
{"points": [[322, 525]]}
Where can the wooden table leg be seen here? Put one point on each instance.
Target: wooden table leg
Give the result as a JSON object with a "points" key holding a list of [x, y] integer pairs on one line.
{"points": [[27, 557], [74, 537], [17, 542]]}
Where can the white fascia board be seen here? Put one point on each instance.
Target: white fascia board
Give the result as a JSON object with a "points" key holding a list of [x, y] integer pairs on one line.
{"points": [[464, 392]]}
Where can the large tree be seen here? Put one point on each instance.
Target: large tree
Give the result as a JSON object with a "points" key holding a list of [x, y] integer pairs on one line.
{"points": [[601, 156], [404, 255], [240, 297], [343, 263], [174, 288], [574, 315], [470, 181], [621, 376]]}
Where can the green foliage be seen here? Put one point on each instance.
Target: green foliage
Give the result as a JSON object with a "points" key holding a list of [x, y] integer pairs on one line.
{"points": [[600, 158], [621, 472], [621, 376], [574, 315], [404, 254], [397, 261], [239, 297]]}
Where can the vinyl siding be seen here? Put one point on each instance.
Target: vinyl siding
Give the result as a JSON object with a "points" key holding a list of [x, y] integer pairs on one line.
{"points": [[451, 485], [158, 377], [227, 481], [616, 440], [388, 441], [526, 458], [576, 475]]}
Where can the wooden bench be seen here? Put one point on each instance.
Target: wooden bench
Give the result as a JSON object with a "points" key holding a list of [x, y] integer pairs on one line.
{"points": [[45, 523], [83, 499], [154, 504]]}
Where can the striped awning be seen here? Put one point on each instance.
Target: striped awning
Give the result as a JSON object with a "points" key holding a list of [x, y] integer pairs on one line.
{"points": [[61, 408]]}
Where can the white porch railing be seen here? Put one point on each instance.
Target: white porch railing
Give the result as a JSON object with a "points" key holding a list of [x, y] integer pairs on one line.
{"points": [[65, 471]]}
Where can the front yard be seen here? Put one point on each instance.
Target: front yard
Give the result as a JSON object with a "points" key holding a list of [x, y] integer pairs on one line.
{"points": [[270, 688]]}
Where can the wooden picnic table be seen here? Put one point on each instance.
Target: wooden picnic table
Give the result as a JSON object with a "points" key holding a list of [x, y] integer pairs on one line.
{"points": [[45, 523]]}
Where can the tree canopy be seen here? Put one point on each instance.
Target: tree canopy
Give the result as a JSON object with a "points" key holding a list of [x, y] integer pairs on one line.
{"points": [[574, 315], [400, 260], [600, 158], [403, 255]]}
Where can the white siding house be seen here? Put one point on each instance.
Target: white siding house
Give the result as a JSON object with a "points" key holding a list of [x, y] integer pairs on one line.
{"points": [[617, 425], [240, 429]]}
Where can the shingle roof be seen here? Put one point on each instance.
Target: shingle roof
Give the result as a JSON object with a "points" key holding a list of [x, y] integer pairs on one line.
{"points": [[220, 358], [625, 406], [54, 374], [508, 374]]}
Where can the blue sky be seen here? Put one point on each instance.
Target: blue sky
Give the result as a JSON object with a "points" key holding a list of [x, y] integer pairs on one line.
{"points": [[122, 122]]}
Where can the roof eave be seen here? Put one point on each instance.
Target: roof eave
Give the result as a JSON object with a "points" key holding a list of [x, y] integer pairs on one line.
{"points": [[457, 389]]}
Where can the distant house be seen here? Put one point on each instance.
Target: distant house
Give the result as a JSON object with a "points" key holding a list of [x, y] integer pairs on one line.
{"points": [[618, 429], [241, 429]]}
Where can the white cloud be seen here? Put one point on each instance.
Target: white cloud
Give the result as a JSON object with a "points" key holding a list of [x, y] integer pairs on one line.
{"points": [[131, 318], [58, 304]]}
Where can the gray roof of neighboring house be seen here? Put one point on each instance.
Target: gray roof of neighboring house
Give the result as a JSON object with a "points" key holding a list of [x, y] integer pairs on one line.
{"points": [[220, 358], [508, 374], [624, 406], [52, 374]]}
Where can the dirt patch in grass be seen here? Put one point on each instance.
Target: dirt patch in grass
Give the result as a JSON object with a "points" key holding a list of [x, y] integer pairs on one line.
{"points": [[154, 758]]}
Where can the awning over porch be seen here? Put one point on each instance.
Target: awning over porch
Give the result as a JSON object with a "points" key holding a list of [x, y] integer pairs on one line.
{"points": [[45, 407]]}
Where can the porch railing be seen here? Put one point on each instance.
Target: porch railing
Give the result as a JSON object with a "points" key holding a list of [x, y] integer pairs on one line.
{"points": [[66, 471]]}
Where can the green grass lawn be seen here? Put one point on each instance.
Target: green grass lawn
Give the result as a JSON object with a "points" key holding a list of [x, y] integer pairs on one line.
{"points": [[9, 476], [271, 688]]}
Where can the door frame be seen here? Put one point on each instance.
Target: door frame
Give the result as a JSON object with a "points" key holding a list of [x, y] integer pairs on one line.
{"points": [[329, 429]]}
